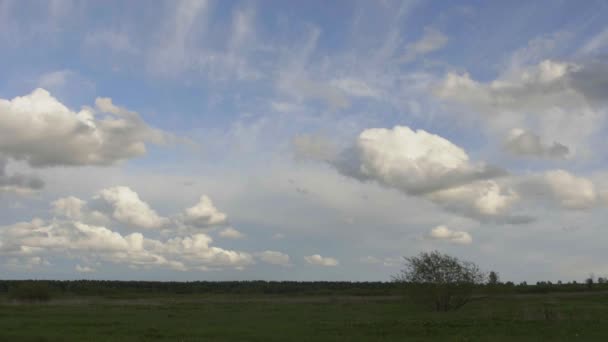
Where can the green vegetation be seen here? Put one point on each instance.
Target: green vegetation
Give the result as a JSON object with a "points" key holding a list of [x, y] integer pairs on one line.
{"points": [[552, 317], [310, 311]]}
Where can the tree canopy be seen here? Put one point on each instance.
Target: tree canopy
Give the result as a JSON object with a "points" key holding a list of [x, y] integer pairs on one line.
{"points": [[437, 268]]}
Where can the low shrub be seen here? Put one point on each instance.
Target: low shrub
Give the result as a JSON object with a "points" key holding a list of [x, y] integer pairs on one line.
{"points": [[30, 291]]}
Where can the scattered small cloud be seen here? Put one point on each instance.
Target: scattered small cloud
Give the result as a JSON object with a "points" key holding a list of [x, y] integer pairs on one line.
{"points": [[16, 182], [561, 188], [526, 144], [274, 258], [278, 236], [112, 42], [432, 40], [204, 215], [445, 234], [127, 207], [386, 262], [313, 147], [318, 260], [231, 233], [84, 269]]}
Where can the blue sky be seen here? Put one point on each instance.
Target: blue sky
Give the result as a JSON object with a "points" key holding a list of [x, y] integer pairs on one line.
{"points": [[221, 140]]}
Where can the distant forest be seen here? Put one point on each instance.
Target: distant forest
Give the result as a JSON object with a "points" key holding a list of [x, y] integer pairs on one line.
{"points": [[119, 288]]}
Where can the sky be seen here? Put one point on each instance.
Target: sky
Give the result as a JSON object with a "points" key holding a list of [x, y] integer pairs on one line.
{"points": [[302, 140]]}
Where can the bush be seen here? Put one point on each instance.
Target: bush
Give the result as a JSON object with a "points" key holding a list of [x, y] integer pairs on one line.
{"points": [[30, 291], [440, 281]]}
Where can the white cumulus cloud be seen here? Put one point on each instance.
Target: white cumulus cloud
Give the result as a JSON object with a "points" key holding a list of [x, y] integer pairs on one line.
{"points": [[41, 130], [415, 162], [84, 231], [204, 214], [422, 164], [127, 207], [73, 239]]}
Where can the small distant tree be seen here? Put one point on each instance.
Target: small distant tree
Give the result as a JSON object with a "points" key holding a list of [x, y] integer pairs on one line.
{"points": [[589, 281], [439, 280], [493, 278], [601, 280]]}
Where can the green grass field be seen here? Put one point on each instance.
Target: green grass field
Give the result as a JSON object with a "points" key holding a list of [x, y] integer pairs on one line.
{"points": [[549, 317]]}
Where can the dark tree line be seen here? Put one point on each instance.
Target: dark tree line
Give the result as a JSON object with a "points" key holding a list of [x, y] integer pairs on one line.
{"points": [[117, 288], [439, 280], [105, 287]]}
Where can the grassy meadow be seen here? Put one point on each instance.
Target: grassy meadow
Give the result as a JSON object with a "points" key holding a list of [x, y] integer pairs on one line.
{"points": [[578, 316]]}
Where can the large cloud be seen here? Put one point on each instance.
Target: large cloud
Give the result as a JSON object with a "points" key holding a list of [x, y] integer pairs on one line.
{"points": [[41, 130], [419, 163], [415, 162]]}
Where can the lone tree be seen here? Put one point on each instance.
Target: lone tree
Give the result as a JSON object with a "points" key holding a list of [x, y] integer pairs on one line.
{"points": [[439, 280], [493, 278]]}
